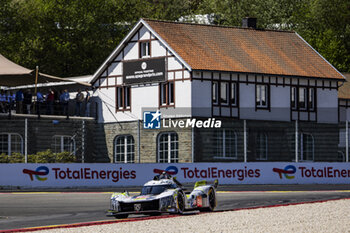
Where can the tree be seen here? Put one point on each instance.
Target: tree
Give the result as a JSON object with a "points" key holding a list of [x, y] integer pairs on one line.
{"points": [[73, 37], [323, 24], [326, 26]]}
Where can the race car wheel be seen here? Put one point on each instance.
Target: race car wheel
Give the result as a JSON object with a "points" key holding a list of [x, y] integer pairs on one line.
{"points": [[180, 202], [120, 216], [212, 201]]}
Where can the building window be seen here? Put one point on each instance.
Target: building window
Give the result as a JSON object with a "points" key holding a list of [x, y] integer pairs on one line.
{"points": [[294, 98], [261, 146], [167, 94], [63, 143], [123, 98], [234, 94], [124, 149], [311, 102], [215, 91], [168, 147], [303, 98], [262, 96], [145, 49], [225, 142], [11, 143], [224, 93], [306, 147]]}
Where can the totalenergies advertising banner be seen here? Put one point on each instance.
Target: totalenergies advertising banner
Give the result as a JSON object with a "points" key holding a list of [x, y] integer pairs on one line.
{"points": [[109, 175]]}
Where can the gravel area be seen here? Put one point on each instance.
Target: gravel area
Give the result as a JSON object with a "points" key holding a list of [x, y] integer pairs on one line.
{"points": [[331, 216]]}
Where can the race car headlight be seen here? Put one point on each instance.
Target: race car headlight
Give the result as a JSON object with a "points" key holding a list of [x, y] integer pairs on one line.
{"points": [[166, 202]]}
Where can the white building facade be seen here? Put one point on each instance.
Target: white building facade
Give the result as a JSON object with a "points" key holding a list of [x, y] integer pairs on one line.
{"points": [[269, 79]]}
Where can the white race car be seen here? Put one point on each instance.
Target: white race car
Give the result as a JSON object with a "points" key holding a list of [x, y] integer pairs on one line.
{"points": [[164, 195]]}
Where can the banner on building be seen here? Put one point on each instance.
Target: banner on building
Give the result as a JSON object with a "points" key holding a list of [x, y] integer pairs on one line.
{"points": [[109, 175], [144, 71]]}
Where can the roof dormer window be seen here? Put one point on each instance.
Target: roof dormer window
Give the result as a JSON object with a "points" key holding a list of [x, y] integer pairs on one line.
{"points": [[145, 49]]}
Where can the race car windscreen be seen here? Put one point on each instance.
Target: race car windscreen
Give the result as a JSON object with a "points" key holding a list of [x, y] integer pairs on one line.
{"points": [[155, 189]]}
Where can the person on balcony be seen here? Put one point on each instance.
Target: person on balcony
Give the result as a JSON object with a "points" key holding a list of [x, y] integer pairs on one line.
{"points": [[27, 100], [87, 103], [79, 99], [3, 101], [50, 98], [11, 99], [19, 101], [64, 100]]}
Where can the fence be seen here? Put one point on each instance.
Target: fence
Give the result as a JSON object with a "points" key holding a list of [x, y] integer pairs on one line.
{"points": [[235, 141], [259, 141]]}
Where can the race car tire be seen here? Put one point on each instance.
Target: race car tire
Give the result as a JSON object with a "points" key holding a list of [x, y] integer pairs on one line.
{"points": [[120, 216], [212, 201], [180, 202]]}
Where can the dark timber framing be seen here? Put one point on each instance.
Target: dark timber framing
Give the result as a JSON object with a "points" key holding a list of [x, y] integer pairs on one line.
{"points": [[270, 80]]}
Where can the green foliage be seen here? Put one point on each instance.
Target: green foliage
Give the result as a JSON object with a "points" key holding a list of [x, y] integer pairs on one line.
{"points": [[16, 158], [40, 157], [4, 158], [73, 37], [65, 157], [326, 26]]}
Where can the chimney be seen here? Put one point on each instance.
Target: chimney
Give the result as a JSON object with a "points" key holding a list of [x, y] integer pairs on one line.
{"points": [[249, 22]]}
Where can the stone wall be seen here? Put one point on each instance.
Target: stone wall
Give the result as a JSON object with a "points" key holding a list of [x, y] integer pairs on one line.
{"points": [[148, 142]]}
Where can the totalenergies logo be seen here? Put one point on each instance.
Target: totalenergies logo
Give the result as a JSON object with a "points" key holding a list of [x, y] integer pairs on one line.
{"points": [[171, 170], [287, 171], [38, 173]]}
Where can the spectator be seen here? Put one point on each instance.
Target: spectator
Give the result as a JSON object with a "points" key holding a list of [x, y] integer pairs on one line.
{"points": [[27, 100], [11, 98], [64, 100], [39, 101], [78, 100], [19, 101], [3, 101], [50, 98], [87, 103], [56, 103]]}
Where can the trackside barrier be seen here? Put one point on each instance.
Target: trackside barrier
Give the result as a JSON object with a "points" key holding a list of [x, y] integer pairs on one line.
{"points": [[109, 175]]}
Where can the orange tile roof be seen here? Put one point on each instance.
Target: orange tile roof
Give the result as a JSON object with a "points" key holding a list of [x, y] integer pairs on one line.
{"points": [[344, 89], [217, 48]]}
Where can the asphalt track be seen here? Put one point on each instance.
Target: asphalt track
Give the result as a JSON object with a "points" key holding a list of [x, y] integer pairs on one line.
{"points": [[29, 209]]}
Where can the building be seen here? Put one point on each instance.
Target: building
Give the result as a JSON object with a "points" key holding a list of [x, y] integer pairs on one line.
{"points": [[262, 85], [344, 115], [36, 132]]}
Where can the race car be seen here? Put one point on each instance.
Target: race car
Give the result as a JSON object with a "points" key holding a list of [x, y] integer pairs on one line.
{"points": [[164, 195]]}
